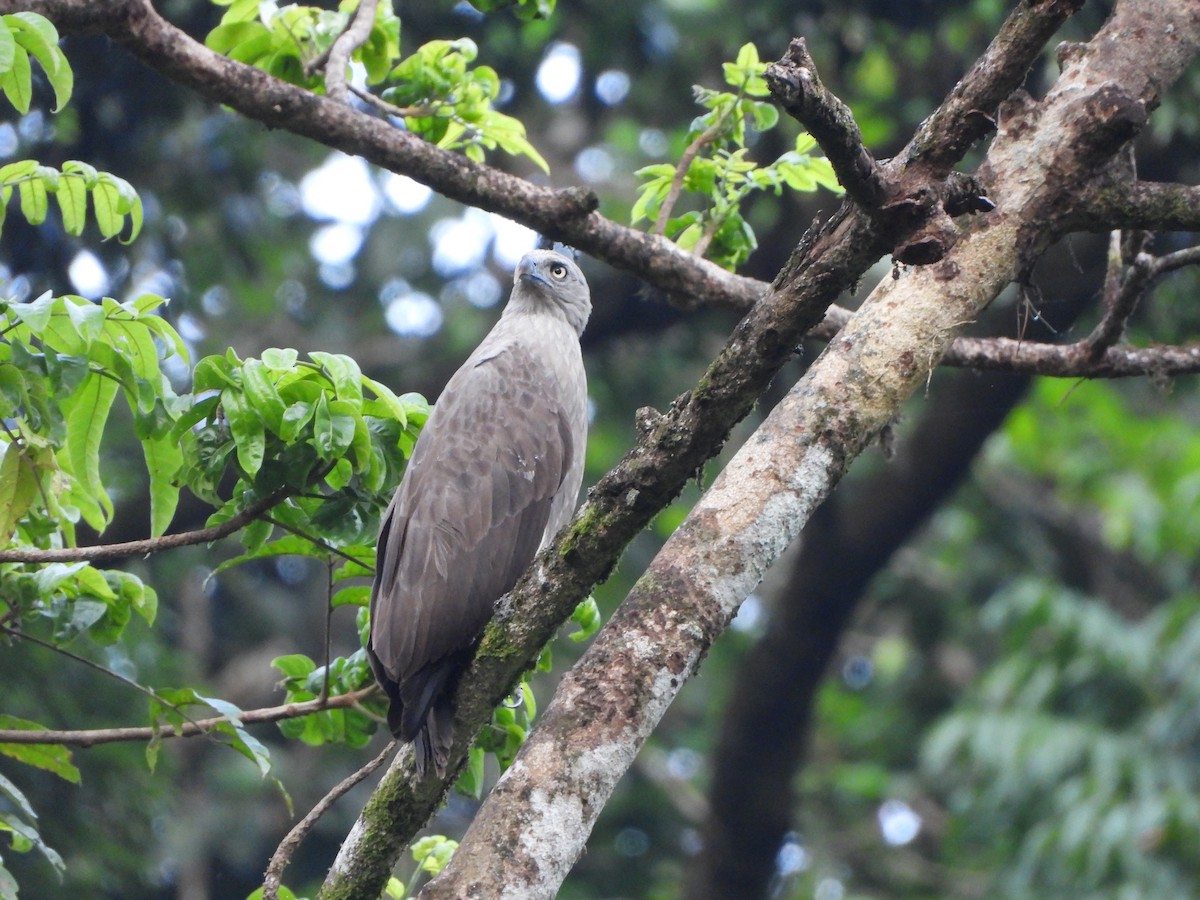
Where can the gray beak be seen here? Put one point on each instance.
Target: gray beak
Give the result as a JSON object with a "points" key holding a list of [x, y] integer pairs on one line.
{"points": [[527, 269]]}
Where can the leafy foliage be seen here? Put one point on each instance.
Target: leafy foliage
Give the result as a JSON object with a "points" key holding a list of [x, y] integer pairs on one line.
{"points": [[24, 35], [721, 172], [113, 199], [284, 41], [435, 91], [1077, 746]]}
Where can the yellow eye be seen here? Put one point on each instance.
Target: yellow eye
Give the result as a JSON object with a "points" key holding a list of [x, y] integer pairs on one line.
{"points": [[558, 271]]}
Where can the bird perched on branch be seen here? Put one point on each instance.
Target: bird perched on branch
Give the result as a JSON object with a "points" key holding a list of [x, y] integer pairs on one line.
{"points": [[495, 473]]}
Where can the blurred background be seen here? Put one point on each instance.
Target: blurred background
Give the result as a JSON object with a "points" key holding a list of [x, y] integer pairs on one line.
{"points": [[974, 676]]}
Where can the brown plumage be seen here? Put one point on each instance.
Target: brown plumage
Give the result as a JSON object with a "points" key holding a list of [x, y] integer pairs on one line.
{"points": [[495, 473]]}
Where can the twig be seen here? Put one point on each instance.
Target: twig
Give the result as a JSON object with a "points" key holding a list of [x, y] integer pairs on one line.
{"points": [[283, 853], [104, 670], [358, 29], [391, 109], [144, 547], [92, 737], [1123, 288], [316, 541], [328, 628], [1177, 260], [706, 137], [969, 110]]}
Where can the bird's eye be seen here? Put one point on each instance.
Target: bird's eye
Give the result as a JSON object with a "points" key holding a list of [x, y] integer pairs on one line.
{"points": [[558, 270]]}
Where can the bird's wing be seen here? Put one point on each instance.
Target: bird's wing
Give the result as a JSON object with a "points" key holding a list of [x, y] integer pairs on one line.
{"points": [[472, 509]]}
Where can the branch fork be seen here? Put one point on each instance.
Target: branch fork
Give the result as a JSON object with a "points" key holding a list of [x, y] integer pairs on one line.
{"points": [[912, 214]]}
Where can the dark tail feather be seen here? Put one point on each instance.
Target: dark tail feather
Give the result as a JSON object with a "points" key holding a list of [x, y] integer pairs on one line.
{"points": [[434, 739], [421, 711]]}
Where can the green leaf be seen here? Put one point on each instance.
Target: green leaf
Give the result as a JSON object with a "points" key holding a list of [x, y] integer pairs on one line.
{"points": [[18, 488], [255, 534], [358, 595], [280, 360], [8, 48], [87, 172], [38, 35], [288, 545], [294, 665], [261, 393], [34, 201], [164, 458], [433, 852], [16, 798], [249, 436], [17, 82], [393, 403], [283, 891], [333, 428], [86, 413], [53, 758], [114, 199], [587, 617], [72, 202], [343, 372]]}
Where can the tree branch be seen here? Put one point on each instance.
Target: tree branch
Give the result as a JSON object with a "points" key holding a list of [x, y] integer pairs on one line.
{"points": [[564, 215], [797, 87], [849, 540], [287, 847], [1073, 360], [127, 549], [1147, 205], [95, 736], [706, 137], [358, 29], [1123, 288]]}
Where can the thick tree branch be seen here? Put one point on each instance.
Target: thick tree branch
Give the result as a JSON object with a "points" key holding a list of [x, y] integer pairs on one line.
{"points": [[565, 215], [93, 737], [764, 729], [1152, 206], [532, 828]]}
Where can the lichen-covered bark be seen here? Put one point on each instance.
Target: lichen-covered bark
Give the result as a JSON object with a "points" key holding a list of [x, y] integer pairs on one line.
{"points": [[535, 824]]}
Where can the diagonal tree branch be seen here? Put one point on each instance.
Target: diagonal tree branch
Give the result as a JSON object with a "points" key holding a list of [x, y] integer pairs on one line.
{"points": [[565, 215], [358, 29], [798, 89]]}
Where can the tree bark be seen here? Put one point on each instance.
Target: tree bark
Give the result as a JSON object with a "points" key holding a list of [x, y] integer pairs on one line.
{"points": [[535, 824], [764, 730]]}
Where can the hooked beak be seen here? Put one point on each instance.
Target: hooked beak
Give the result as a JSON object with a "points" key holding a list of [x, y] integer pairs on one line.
{"points": [[527, 269]]}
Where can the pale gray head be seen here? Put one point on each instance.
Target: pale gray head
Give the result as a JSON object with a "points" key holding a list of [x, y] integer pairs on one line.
{"points": [[547, 280]]}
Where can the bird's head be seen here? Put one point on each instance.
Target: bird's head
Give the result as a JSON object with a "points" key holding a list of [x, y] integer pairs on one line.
{"points": [[546, 279]]}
